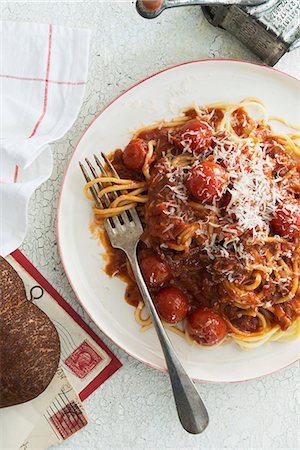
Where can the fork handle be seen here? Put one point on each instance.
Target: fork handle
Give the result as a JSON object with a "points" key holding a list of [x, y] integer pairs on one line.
{"points": [[190, 408]]}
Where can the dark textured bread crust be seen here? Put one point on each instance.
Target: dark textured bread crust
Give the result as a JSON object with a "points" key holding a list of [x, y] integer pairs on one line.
{"points": [[29, 343], [12, 289]]}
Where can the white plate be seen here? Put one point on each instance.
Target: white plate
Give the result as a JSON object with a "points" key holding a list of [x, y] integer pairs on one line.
{"points": [[162, 96]]}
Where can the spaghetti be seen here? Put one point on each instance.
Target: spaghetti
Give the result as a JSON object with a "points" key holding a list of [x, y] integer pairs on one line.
{"points": [[218, 192]]}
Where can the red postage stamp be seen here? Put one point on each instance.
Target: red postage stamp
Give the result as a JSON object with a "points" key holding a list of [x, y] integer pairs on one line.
{"points": [[68, 420], [83, 360]]}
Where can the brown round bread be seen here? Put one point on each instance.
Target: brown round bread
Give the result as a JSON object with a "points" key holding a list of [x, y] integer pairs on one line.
{"points": [[12, 289], [29, 344]]}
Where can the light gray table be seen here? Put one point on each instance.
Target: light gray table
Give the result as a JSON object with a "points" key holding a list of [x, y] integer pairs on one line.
{"points": [[134, 409]]}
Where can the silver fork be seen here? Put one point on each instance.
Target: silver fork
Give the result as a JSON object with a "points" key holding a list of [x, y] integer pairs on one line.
{"points": [[124, 232]]}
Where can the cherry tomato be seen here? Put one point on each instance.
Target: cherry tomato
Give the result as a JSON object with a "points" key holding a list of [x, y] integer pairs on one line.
{"points": [[134, 154], [206, 326], [286, 221], [194, 135], [155, 271], [207, 182], [172, 304]]}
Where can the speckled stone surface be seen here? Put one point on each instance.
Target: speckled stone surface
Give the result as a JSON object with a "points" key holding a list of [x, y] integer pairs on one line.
{"points": [[134, 409]]}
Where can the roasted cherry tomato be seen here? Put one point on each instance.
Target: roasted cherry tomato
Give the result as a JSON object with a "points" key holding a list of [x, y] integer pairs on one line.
{"points": [[206, 326], [286, 221], [134, 154], [172, 304], [194, 135], [207, 182], [155, 271]]}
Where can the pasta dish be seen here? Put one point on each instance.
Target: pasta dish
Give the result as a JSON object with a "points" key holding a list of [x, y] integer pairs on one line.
{"points": [[218, 193]]}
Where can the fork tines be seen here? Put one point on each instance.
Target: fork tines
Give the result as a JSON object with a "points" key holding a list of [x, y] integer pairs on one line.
{"points": [[93, 189], [106, 200]]}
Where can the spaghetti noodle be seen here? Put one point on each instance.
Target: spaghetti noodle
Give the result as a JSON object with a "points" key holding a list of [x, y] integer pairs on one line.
{"points": [[218, 192]]}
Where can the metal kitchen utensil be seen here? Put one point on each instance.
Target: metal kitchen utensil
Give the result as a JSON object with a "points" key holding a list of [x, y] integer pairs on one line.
{"points": [[153, 8], [269, 29], [124, 231]]}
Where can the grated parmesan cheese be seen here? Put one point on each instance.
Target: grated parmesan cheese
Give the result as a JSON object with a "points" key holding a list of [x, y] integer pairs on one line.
{"points": [[254, 194]]}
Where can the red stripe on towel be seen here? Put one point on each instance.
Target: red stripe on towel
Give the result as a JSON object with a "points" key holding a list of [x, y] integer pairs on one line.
{"points": [[46, 84], [16, 173], [43, 80]]}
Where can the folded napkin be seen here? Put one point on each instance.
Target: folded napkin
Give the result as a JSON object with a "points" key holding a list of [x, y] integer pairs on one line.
{"points": [[43, 72]]}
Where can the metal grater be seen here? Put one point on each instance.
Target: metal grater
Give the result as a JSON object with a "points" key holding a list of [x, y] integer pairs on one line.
{"points": [[269, 30]]}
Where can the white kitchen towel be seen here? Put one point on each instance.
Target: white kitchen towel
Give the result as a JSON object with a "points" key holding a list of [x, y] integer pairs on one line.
{"points": [[43, 72]]}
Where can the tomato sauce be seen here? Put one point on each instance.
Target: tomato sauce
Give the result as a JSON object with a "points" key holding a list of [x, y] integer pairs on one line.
{"points": [[190, 280]]}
